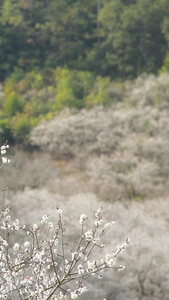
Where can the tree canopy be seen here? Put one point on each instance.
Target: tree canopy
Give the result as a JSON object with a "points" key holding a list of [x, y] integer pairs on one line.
{"points": [[113, 38], [67, 53]]}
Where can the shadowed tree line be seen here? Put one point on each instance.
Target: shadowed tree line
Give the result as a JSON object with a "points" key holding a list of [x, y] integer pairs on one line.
{"points": [[115, 38]]}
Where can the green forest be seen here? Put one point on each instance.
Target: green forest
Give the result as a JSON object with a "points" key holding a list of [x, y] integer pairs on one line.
{"points": [[71, 53]]}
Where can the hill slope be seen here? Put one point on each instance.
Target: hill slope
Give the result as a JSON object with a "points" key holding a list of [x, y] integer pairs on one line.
{"points": [[117, 156]]}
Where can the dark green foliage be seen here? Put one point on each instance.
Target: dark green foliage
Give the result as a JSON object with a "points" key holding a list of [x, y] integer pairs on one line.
{"points": [[133, 35], [113, 38], [5, 132], [20, 126]]}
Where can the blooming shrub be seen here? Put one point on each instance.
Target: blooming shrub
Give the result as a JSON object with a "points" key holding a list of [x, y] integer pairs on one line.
{"points": [[120, 152], [149, 90], [43, 266]]}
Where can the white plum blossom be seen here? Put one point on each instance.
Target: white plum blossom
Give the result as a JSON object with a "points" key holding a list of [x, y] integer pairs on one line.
{"points": [[121, 268], [99, 222], [89, 235], [80, 270], [5, 160], [82, 289], [67, 268], [50, 225], [83, 217], [6, 211], [3, 147], [5, 243], [35, 227], [27, 244], [40, 267], [16, 225], [3, 151], [59, 212], [73, 295], [27, 280], [108, 225], [60, 296], [39, 256], [95, 240], [16, 246], [92, 266], [98, 213], [81, 254], [74, 255], [44, 219], [110, 259], [121, 248]]}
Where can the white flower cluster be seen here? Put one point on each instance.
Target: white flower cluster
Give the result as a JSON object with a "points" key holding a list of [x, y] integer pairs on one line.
{"points": [[6, 225], [89, 235], [108, 225], [44, 219], [80, 290], [16, 247], [31, 262], [4, 159], [83, 217], [92, 266], [110, 259], [42, 266]]}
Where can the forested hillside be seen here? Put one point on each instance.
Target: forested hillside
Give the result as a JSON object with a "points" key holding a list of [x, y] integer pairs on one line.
{"points": [[70, 53], [116, 38], [115, 156]]}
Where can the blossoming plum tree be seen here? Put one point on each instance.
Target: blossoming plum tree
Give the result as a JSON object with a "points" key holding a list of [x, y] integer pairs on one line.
{"points": [[43, 266]]}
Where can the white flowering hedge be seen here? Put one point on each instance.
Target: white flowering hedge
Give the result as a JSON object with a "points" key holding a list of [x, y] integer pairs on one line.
{"points": [[43, 266]]}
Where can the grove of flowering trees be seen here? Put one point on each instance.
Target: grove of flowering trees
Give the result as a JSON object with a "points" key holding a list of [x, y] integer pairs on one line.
{"points": [[43, 266]]}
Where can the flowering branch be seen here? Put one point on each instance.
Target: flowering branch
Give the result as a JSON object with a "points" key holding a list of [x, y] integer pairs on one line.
{"points": [[44, 267]]}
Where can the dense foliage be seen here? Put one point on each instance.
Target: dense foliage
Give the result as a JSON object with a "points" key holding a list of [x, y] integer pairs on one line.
{"points": [[29, 98], [65, 53], [115, 38]]}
